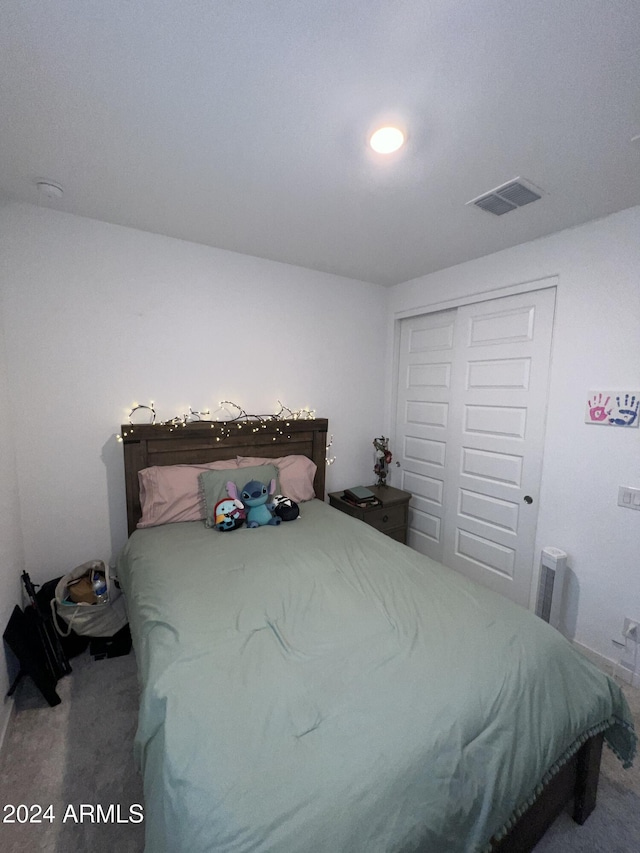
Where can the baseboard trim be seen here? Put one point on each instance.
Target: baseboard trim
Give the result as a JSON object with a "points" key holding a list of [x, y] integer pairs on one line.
{"points": [[609, 665]]}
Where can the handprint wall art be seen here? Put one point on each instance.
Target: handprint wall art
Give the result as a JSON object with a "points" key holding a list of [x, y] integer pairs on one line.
{"points": [[613, 408]]}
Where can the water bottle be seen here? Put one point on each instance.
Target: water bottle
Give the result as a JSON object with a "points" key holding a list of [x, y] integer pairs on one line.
{"points": [[99, 584]]}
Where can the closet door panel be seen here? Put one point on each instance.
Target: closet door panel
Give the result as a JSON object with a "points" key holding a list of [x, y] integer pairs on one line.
{"points": [[498, 409], [424, 388]]}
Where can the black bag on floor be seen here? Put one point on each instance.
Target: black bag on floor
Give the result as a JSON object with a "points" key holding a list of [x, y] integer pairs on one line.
{"points": [[24, 638], [111, 647]]}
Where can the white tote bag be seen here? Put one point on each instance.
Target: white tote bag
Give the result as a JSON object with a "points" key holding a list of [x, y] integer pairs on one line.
{"points": [[91, 620]]}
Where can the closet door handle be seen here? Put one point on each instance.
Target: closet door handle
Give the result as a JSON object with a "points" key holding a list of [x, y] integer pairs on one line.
{"points": [[528, 499]]}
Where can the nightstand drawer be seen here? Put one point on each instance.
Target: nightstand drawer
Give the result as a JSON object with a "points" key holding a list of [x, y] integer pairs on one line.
{"points": [[386, 518]]}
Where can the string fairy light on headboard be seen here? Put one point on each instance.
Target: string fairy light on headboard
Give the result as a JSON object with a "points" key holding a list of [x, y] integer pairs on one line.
{"points": [[284, 413], [204, 415], [242, 419], [330, 459], [141, 407], [190, 418]]}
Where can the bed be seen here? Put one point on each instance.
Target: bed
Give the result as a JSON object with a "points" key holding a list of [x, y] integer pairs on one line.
{"points": [[316, 686]]}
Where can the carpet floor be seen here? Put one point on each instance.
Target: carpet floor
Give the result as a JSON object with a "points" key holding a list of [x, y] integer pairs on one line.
{"points": [[80, 754]]}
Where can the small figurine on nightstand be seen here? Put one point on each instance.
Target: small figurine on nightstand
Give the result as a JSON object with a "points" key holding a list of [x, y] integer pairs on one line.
{"points": [[383, 459]]}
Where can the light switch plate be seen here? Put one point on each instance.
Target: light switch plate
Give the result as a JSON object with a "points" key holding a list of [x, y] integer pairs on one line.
{"points": [[629, 497]]}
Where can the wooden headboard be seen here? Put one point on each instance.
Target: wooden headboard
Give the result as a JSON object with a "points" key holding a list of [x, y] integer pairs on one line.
{"points": [[203, 441]]}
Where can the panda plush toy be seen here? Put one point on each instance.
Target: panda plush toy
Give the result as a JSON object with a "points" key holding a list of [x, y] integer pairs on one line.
{"points": [[285, 508]]}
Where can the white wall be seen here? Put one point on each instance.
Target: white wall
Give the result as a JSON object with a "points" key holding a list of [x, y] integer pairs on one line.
{"points": [[596, 345], [99, 316], [11, 557]]}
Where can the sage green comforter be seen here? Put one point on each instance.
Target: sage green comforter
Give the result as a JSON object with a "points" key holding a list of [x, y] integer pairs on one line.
{"points": [[319, 688]]}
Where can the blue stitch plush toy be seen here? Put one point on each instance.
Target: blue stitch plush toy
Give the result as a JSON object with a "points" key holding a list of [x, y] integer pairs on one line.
{"points": [[255, 497]]}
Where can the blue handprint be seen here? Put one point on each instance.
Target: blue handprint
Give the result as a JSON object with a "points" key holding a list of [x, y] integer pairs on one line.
{"points": [[628, 414]]}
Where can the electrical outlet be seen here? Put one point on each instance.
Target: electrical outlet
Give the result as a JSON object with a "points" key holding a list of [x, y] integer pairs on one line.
{"points": [[631, 629]]}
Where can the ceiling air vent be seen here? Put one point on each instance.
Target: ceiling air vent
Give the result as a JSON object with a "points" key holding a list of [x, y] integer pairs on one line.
{"points": [[507, 197]]}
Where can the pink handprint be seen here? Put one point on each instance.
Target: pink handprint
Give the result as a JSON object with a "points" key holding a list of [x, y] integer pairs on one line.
{"points": [[598, 409]]}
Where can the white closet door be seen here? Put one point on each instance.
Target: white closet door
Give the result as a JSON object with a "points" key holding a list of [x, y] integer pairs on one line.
{"points": [[481, 518], [499, 394], [424, 392]]}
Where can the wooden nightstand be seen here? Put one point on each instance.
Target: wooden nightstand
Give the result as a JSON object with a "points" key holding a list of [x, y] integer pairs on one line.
{"points": [[391, 517]]}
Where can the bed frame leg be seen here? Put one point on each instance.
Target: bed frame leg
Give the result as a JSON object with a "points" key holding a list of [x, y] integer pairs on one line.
{"points": [[587, 773]]}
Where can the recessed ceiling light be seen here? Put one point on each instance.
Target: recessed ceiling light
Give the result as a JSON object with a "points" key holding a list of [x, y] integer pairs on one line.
{"points": [[386, 140]]}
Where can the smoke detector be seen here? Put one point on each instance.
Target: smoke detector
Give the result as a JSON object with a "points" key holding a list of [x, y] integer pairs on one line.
{"points": [[508, 197]]}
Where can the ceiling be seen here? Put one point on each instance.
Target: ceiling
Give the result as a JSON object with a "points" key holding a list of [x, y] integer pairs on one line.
{"points": [[243, 124]]}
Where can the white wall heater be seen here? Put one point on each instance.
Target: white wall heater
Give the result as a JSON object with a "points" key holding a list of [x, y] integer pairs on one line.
{"points": [[553, 563]]}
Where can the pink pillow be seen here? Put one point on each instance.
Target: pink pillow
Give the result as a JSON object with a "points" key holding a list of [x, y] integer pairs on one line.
{"points": [[296, 474], [170, 493]]}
